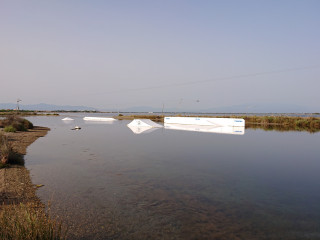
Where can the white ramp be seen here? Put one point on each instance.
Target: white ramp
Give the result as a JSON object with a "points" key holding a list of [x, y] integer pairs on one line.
{"points": [[144, 123], [99, 119], [67, 119], [216, 122]]}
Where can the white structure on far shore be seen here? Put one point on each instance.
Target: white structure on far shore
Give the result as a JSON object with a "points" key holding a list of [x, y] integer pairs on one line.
{"points": [[67, 119], [99, 119]]}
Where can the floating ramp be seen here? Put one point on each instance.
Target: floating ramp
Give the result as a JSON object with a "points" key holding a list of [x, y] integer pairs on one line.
{"points": [[144, 123], [99, 119], [67, 119], [215, 122]]}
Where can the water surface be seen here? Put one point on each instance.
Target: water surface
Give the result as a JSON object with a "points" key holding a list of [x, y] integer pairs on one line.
{"points": [[106, 182]]}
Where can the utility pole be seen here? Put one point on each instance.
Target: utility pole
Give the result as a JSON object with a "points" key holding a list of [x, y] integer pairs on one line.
{"points": [[18, 100], [162, 108]]}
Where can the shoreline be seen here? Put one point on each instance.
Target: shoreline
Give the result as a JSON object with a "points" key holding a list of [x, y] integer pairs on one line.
{"points": [[15, 181]]}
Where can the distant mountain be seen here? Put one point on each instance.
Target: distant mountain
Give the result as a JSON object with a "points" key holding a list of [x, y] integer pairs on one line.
{"points": [[46, 107]]}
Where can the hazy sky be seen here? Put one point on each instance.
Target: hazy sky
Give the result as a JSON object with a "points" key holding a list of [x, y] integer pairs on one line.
{"points": [[116, 54]]}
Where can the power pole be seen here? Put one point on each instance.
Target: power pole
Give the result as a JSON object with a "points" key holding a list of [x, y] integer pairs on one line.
{"points": [[18, 100]]}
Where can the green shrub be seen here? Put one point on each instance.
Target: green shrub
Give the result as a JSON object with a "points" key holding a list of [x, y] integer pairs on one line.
{"points": [[10, 129], [27, 124], [20, 124]]}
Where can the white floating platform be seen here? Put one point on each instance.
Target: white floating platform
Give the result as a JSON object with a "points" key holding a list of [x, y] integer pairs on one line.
{"points": [[67, 119], [144, 123], [217, 122], [208, 129], [99, 119]]}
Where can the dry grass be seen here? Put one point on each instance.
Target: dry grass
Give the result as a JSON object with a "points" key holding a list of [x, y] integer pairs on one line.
{"points": [[156, 118], [7, 155], [28, 222]]}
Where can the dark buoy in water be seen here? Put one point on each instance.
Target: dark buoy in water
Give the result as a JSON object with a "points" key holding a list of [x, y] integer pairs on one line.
{"points": [[76, 128]]}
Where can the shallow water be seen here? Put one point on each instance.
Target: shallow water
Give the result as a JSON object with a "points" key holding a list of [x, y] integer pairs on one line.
{"points": [[106, 182]]}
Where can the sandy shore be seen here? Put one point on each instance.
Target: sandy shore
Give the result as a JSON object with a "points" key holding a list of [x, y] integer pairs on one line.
{"points": [[15, 182]]}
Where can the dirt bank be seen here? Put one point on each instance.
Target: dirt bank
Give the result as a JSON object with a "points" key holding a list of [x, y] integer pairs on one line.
{"points": [[15, 181]]}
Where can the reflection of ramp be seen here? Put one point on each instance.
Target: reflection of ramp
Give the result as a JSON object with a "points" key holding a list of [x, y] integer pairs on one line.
{"points": [[143, 126], [209, 129], [99, 122], [217, 122], [138, 130]]}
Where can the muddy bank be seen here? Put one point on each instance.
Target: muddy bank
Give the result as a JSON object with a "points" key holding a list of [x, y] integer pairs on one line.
{"points": [[15, 182]]}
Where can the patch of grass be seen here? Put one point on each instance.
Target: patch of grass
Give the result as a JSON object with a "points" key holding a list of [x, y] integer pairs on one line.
{"points": [[10, 128], [27, 222]]}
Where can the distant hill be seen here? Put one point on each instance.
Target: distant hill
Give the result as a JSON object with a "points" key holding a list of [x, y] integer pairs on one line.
{"points": [[46, 107]]}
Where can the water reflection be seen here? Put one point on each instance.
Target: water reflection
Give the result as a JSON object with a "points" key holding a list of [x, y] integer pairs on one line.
{"points": [[207, 129], [139, 130]]}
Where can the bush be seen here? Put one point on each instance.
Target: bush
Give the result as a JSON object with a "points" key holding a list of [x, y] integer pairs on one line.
{"points": [[10, 129], [7, 155], [20, 124]]}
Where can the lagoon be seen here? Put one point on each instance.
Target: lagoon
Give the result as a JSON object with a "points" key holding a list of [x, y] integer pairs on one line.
{"points": [[105, 182]]}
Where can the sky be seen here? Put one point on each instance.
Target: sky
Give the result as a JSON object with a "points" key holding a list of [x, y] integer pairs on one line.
{"points": [[174, 53]]}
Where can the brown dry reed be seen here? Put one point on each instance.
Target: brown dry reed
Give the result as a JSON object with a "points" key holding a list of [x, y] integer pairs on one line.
{"points": [[27, 222]]}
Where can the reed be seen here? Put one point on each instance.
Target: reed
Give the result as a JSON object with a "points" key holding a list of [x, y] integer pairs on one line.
{"points": [[28, 222], [7, 155]]}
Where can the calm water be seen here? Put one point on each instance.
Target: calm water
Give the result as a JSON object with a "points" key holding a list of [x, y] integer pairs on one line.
{"points": [[106, 182]]}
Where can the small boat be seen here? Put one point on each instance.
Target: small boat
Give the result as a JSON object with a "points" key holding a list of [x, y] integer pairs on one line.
{"points": [[76, 128]]}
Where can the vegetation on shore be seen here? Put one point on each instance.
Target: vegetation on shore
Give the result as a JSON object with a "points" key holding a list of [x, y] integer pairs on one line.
{"points": [[22, 218], [8, 112], [156, 118], [282, 123], [13, 123], [7, 155], [28, 222]]}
